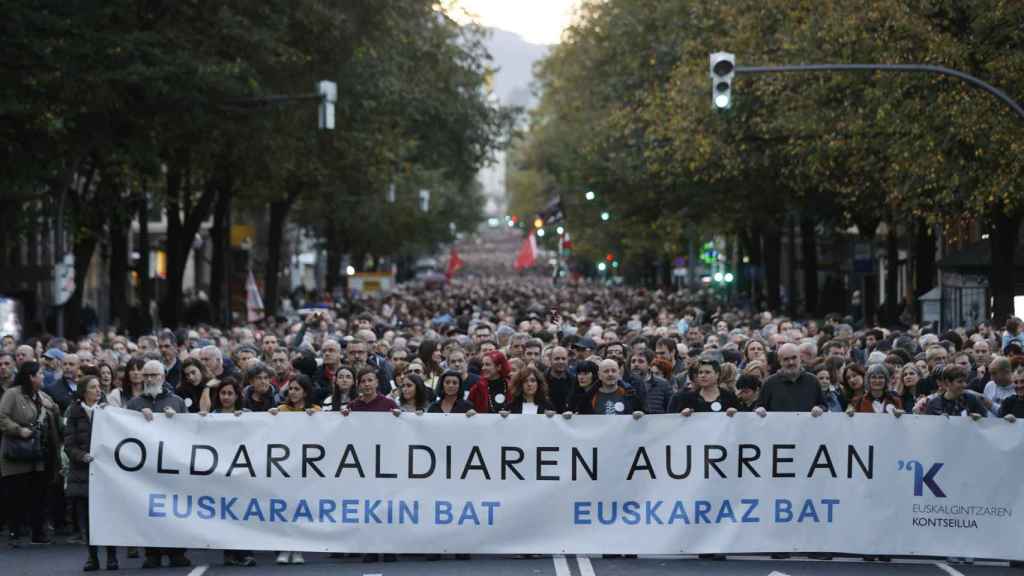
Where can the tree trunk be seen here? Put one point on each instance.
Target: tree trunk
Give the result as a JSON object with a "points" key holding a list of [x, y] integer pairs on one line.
{"points": [[892, 267], [171, 308], [272, 275], [142, 269], [924, 258], [1002, 277], [220, 290], [333, 257], [753, 270], [809, 248], [84, 248], [180, 234], [791, 283], [772, 266], [118, 273]]}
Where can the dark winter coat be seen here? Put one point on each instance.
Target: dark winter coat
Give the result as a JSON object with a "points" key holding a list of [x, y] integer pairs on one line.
{"points": [[77, 443]]}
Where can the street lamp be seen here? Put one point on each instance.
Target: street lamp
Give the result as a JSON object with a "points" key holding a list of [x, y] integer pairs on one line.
{"points": [[540, 233], [590, 195], [560, 230], [605, 216], [602, 266]]}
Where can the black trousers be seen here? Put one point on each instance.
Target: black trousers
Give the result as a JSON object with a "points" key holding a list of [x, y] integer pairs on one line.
{"points": [[26, 500], [82, 510]]}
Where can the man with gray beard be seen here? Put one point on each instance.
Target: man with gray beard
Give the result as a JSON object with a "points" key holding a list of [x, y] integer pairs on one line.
{"points": [[791, 389], [156, 398]]}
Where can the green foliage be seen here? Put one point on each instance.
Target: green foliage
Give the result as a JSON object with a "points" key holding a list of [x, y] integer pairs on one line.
{"points": [[626, 111], [173, 100]]}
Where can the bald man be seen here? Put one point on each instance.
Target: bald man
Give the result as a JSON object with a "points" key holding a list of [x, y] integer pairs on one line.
{"points": [[24, 353], [561, 382], [791, 389], [611, 396]]}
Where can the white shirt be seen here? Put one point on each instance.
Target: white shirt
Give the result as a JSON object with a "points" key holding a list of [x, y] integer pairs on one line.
{"points": [[997, 394], [529, 408]]}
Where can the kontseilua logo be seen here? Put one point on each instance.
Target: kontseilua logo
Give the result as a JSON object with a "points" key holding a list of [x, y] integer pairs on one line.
{"points": [[922, 478]]}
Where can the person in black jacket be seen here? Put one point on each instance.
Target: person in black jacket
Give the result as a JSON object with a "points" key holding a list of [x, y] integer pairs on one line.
{"points": [[708, 397], [951, 400], [450, 401], [155, 398], [611, 396], [529, 393], [1013, 407], [586, 379], [77, 441]]}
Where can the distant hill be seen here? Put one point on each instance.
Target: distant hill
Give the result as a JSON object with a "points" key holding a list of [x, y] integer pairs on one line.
{"points": [[514, 58]]}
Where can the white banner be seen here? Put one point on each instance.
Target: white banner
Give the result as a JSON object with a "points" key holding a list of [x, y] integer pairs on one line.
{"points": [[872, 484]]}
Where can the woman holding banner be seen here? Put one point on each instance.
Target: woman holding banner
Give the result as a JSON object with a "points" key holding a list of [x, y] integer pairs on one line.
{"points": [[371, 400], [30, 425], [530, 394], [450, 401], [221, 396], [227, 399], [344, 390], [298, 396], [586, 379], [876, 398], [709, 395], [413, 395], [495, 370], [77, 441]]}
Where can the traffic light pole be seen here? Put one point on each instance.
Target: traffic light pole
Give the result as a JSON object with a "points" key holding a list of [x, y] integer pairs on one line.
{"points": [[926, 68]]}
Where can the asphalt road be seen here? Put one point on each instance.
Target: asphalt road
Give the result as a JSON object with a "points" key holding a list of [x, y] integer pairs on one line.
{"points": [[64, 559]]}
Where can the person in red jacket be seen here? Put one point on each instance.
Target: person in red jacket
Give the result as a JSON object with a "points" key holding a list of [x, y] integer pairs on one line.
{"points": [[877, 398]]}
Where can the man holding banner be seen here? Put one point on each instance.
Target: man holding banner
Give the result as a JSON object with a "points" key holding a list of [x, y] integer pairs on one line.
{"points": [[154, 399]]}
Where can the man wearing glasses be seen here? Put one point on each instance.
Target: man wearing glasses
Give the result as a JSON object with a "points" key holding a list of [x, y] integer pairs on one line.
{"points": [[155, 398]]}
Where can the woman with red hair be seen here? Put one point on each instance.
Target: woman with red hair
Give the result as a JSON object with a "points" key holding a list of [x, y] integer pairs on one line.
{"points": [[495, 371]]}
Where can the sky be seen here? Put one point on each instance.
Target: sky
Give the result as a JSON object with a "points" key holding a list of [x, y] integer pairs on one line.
{"points": [[537, 21]]}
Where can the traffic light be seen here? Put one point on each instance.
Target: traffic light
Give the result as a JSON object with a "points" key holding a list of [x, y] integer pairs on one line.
{"points": [[723, 69], [708, 254]]}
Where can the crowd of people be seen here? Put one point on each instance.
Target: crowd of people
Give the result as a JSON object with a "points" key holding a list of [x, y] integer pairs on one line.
{"points": [[477, 347]]}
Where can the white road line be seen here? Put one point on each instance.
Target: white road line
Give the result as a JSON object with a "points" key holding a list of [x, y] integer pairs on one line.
{"points": [[586, 568], [948, 569], [199, 570], [777, 573], [561, 566], [373, 575]]}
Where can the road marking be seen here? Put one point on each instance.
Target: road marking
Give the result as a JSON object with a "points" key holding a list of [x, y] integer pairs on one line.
{"points": [[586, 568], [777, 573], [199, 570], [561, 566], [948, 569], [373, 575]]}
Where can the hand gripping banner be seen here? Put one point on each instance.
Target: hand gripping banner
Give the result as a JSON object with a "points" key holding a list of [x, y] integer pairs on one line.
{"points": [[371, 482]]}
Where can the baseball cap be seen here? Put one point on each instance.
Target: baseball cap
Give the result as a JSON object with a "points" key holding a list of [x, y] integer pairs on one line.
{"points": [[54, 354]]}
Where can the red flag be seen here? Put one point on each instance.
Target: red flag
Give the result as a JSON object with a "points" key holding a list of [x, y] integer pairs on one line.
{"points": [[527, 253], [454, 263]]}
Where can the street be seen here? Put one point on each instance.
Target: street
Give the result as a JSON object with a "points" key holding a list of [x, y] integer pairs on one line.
{"points": [[64, 559]]}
